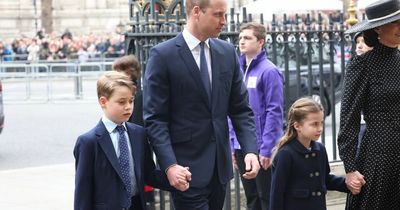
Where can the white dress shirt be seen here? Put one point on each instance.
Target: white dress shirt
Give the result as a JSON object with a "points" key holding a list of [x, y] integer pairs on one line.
{"points": [[194, 46]]}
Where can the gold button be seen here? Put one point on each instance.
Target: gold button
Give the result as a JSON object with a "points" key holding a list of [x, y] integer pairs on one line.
{"points": [[307, 156], [319, 193], [313, 193], [317, 173], [313, 154], [311, 175]]}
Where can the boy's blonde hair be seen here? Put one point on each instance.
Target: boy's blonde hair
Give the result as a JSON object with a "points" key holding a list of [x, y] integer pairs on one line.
{"points": [[110, 80], [297, 113]]}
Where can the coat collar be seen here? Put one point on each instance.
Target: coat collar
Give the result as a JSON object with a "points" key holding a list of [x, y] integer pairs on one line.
{"points": [[296, 145], [105, 143], [104, 140], [260, 57]]}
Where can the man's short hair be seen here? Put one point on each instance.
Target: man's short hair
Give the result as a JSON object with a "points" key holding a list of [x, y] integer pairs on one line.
{"points": [[128, 64], [258, 29], [203, 4], [110, 80]]}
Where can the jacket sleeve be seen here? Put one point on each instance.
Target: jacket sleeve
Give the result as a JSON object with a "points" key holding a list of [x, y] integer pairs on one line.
{"points": [[273, 99], [332, 181], [156, 112], [281, 170], [355, 86], [84, 177], [154, 176]]}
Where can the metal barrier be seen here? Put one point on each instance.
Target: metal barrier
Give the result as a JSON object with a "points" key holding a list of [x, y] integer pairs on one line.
{"points": [[50, 81], [73, 57]]}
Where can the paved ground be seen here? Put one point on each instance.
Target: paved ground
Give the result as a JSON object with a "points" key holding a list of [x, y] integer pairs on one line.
{"points": [[38, 188]]}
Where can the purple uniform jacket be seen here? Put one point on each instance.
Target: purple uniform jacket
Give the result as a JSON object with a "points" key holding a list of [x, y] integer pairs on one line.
{"points": [[264, 83]]}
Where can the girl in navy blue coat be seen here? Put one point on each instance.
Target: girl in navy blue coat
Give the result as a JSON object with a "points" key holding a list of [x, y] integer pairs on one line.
{"points": [[300, 171]]}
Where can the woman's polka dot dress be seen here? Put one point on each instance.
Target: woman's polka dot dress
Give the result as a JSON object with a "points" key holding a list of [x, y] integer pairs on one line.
{"points": [[372, 85]]}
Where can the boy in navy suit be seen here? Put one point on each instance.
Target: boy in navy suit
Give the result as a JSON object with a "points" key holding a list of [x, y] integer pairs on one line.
{"points": [[113, 160]]}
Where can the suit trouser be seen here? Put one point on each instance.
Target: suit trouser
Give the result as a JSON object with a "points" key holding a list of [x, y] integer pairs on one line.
{"points": [[136, 203], [211, 197], [257, 190]]}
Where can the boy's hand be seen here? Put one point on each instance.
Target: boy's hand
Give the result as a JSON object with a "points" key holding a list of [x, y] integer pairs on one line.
{"points": [[179, 177], [252, 166]]}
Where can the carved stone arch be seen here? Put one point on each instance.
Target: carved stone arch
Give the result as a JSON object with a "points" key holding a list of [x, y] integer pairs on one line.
{"points": [[146, 8], [162, 6], [174, 5]]}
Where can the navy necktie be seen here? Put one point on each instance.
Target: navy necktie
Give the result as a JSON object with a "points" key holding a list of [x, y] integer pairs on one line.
{"points": [[204, 71], [124, 162]]}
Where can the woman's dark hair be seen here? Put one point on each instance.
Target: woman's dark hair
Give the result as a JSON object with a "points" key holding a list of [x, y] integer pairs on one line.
{"points": [[370, 37]]}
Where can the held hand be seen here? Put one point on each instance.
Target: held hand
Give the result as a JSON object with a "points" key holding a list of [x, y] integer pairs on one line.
{"points": [[354, 181], [265, 162], [252, 166], [179, 177], [234, 162]]}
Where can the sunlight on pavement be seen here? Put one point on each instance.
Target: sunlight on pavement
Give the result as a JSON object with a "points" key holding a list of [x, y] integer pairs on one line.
{"points": [[38, 188]]}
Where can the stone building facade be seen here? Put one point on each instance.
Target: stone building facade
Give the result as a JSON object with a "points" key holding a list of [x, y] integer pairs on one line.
{"points": [[18, 17]]}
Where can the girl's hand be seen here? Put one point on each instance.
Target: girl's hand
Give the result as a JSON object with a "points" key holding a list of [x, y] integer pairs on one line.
{"points": [[354, 181]]}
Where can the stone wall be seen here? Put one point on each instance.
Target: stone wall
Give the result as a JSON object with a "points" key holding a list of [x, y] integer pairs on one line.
{"points": [[18, 17]]}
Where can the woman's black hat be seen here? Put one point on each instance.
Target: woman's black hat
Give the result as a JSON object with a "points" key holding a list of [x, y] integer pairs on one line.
{"points": [[379, 13]]}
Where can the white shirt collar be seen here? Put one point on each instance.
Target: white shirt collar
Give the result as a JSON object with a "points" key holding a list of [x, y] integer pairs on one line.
{"points": [[110, 125], [192, 41]]}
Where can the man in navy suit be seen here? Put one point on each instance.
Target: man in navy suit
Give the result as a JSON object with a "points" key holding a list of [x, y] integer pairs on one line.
{"points": [[187, 121], [99, 179]]}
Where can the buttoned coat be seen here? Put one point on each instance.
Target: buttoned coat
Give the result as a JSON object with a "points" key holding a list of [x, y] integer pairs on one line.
{"points": [[301, 178], [98, 180]]}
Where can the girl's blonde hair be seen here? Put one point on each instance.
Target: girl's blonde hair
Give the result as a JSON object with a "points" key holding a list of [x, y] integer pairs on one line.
{"points": [[297, 113]]}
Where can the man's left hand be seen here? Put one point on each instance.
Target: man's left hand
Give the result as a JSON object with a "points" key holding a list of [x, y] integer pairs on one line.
{"points": [[252, 166]]}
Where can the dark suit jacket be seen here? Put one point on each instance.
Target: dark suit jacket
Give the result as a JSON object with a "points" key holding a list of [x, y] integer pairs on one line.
{"points": [[184, 127], [98, 182], [301, 178], [137, 114]]}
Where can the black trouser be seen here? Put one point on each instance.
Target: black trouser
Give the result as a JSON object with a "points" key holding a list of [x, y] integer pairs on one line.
{"points": [[256, 190], [210, 197]]}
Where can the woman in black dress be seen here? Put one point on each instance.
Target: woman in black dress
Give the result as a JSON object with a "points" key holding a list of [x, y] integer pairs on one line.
{"points": [[372, 85]]}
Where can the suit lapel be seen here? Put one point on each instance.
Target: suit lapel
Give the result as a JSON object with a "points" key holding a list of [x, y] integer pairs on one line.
{"points": [[105, 142], [191, 65], [136, 150]]}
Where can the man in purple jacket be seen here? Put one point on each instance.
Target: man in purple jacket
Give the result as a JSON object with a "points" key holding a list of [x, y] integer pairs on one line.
{"points": [[264, 83]]}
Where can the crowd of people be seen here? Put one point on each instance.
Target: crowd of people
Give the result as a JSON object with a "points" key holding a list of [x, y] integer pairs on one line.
{"points": [[54, 46]]}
